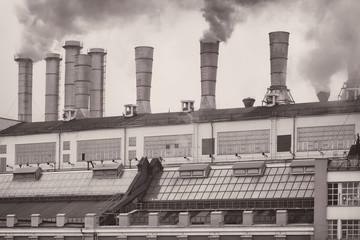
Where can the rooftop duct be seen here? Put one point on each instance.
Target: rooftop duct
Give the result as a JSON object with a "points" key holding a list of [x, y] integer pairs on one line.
{"points": [[144, 63], [248, 102], [278, 92], [323, 96], [209, 52], [72, 48], [97, 82], [25, 88], [52, 86], [82, 85]]}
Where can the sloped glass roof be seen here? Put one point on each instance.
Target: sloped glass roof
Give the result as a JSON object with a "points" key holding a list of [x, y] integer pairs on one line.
{"points": [[65, 184], [276, 183]]}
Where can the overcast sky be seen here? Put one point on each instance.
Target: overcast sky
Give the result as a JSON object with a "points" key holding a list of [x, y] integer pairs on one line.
{"points": [[319, 31]]}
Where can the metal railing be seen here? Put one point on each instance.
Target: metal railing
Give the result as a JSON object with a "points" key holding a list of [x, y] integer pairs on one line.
{"points": [[343, 164]]}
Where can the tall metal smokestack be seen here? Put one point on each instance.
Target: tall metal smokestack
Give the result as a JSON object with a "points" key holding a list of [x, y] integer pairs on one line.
{"points": [[209, 52], [144, 63], [351, 89], [52, 86], [25, 88], [82, 85], [72, 48], [278, 92], [97, 82]]}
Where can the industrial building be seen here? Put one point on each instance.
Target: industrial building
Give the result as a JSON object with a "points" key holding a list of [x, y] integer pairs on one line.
{"points": [[283, 170]]}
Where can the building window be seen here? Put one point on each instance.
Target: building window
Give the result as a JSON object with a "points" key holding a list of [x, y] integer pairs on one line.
{"points": [[168, 146], [66, 145], [243, 142], [2, 149], [208, 146], [132, 154], [332, 229], [350, 229], [350, 194], [34, 153], [338, 137], [3, 164], [99, 149], [284, 143], [66, 157], [333, 194], [132, 141]]}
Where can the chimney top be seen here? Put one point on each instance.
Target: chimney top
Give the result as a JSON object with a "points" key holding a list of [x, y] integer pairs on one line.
{"points": [[52, 55], [323, 96], [96, 50], [248, 102], [22, 57], [72, 43]]}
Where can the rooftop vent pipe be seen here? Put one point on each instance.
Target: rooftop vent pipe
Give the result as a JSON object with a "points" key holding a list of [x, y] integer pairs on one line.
{"points": [[144, 63], [82, 85], [72, 48], [323, 96], [25, 88], [248, 102], [278, 92], [52, 86], [209, 52], [97, 82]]}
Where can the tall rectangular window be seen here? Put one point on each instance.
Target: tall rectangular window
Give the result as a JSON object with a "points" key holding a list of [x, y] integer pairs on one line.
{"points": [[350, 194], [168, 146], [208, 146], [284, 143], [34, 153], [333, 194], [2, 164], [243, 142], [337, 137], [132, 154], [2, 149], [99, 149], [332, 229], [350, 229], [66, 157]]}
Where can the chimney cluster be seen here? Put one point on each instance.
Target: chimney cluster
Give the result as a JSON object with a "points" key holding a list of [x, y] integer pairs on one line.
{"points": [[351, 89]]}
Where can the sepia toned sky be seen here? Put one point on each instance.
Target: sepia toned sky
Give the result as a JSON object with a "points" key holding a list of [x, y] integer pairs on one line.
{"points": [[322, 35]]}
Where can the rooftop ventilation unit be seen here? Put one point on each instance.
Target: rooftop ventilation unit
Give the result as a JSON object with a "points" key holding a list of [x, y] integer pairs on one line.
{"points": [[130, 110], [194, 170], [187, 105], [27, 174], [69, 114], [302, 166], [107, 170], [254, 168]]}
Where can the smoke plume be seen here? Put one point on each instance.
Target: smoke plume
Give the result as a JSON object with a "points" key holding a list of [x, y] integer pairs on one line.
{"points": [[223, 15], [335, 40], [46, 22]]}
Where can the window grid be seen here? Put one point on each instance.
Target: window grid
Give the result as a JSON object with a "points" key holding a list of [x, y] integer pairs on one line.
{"points": [[168, 146], [2, 164], [336, 137], [2, 149], [34, 153], [132, 154], [350, 229], [332, 229], [276, 184], [350, 193], [66, 157], [132, 141], [99, 149], [66, 145], [333, 194], [243, 142]]}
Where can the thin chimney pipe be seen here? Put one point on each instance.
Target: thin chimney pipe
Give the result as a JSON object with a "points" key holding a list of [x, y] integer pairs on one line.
{"points": [[209, 52], [25, 88], [144, 63], [52, 86], [82, 85], [97, 82]]}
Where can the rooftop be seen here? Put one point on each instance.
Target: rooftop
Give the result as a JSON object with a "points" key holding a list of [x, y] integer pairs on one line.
{"points": [[174, 118]]}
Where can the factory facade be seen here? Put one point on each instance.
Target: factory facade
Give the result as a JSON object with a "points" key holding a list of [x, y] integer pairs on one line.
{"points": [[277, 171]]}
